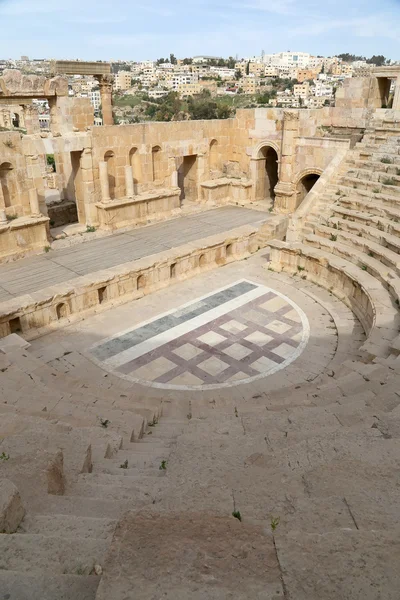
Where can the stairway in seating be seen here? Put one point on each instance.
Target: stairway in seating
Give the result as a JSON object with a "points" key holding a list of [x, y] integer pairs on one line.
{"points": [[59, 549]]}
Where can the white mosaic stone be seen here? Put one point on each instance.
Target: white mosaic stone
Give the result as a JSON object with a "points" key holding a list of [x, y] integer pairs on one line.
{"points": [[237, 351], [259, 338], [263, 364], [233, 326], [155, 368], [278, 326], [187, 351], [213, 366], [211, 338], [284, 350]]}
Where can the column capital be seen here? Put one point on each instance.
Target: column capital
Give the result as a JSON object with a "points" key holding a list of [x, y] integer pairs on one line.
{"points": [[106, 81], [291, 115]]}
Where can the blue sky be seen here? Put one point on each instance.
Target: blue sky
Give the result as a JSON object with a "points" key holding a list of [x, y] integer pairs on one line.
{"points": [[136, 30]]}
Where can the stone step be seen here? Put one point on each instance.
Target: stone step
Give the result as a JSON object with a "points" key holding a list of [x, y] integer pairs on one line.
{"points": [[44, 585], [28, 552], [377, 234], [368, 264], [124, 478], [374, 194], [138, 496], [73, 407], [339, 556], [376, 187], [390, 147], [378, 206], [77, 506], [324, 258], [378, 173], [53, 379], [381, 164], [381, 223], [68, 526], [370, 248]]}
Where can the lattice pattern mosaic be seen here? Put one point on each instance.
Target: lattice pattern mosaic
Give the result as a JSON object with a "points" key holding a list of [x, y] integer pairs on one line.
{"points": [[234, 335]]}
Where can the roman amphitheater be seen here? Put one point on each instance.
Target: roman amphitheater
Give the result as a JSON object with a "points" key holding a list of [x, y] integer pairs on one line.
{"points": [[200, 350]]}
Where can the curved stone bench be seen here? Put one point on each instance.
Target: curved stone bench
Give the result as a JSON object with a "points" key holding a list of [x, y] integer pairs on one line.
{"points": [[360, 291], [361, 243]]}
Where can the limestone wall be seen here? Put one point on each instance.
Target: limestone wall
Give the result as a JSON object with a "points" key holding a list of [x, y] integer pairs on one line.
{"points": [[16, 175], [136, 145]]}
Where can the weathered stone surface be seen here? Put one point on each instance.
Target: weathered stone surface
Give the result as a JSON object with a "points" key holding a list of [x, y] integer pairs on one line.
{"points": [[196, 555], [11, 509], [55, 475], [350, 565]]}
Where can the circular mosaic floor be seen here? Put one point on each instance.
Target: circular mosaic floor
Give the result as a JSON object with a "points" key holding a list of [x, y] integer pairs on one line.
{"points": [[231, 336]]}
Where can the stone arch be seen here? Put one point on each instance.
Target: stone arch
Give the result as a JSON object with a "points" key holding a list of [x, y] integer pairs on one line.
{"points": [[156, 162], [261, 145], [109, 158], [213, 155], [141, 282], [62, 310], [267, 170], [202, 260], [7, 182], [135, 163], [305, 182]]}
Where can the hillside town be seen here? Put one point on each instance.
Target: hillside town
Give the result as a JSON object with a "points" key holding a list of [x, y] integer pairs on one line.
{"points": [[207, 86]]}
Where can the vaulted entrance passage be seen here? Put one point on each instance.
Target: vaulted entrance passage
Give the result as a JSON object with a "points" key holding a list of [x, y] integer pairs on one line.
{"points": [[305, 185], [187, 178], [267, 173], [384, 87]]}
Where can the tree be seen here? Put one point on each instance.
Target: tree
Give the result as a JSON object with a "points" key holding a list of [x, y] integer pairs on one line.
{"points": [[248, 68], [238, 74], [378, 60], [187, 61], [263, 98], [172, 59]]}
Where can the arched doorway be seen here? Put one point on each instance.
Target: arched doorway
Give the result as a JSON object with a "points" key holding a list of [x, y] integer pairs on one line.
{"points": [[305, 185], [267, 173], [6, 183]]}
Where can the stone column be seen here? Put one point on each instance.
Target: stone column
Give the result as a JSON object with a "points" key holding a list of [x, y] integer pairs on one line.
{"points": [[104, 183], [396, 99], [55, 125], [202, 173], [173, 173], [129, 189], [285, 190], [35, 173], [87, 210], [31, 118], [2, 202], [3, 216], [174, 178], [105, 83], [34, 202]]}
